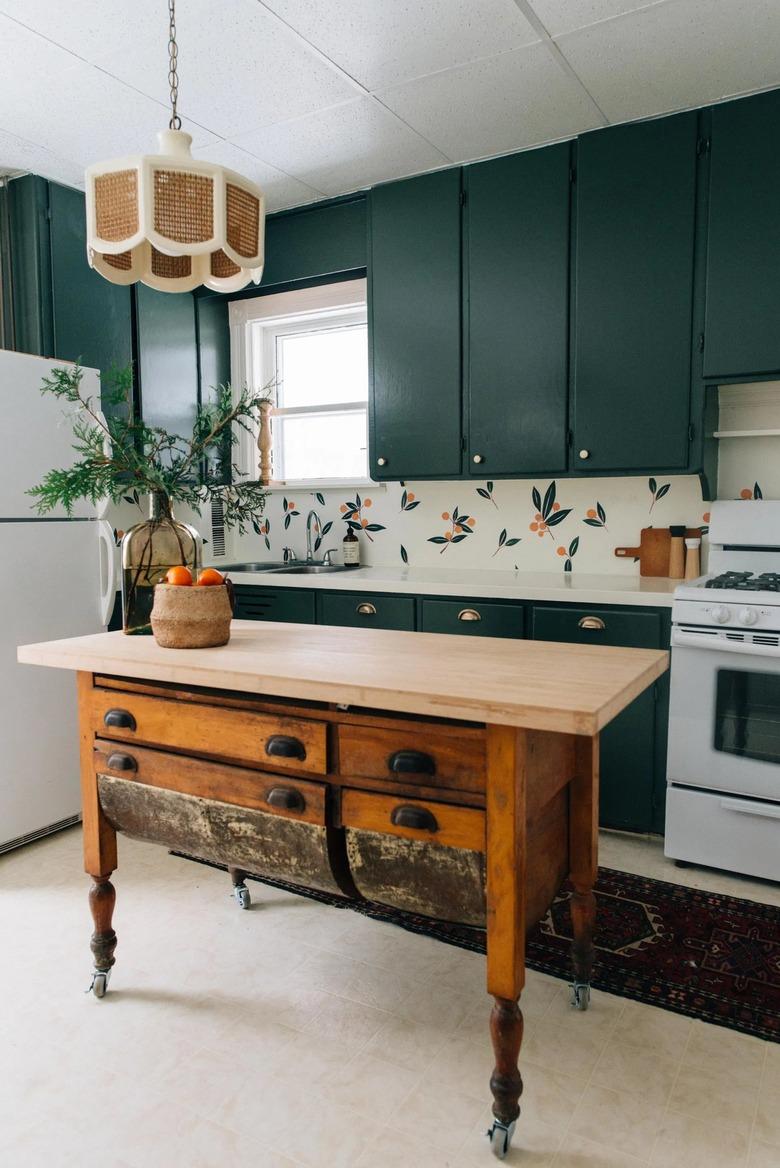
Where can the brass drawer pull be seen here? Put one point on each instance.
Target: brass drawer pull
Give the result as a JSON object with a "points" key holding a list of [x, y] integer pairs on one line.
{"points": [[411, 762], [591, 622], [284, 746], [419, 818], [366, 609], [469, 614], [122, 762], [119, 719], [287, 798]]}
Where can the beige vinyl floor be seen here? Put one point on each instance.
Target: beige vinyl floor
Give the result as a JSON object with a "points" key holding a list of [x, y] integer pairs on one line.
{"points": [[298, 1034]]}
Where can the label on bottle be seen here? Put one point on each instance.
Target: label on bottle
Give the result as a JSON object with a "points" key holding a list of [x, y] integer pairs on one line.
{"points": [[350, 551]]}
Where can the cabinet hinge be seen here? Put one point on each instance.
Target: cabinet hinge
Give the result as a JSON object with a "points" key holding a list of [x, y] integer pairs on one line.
{"points": [[572, 174], [463, 198], [702, 147], [700, 342], [570, 437], [691, 432], [463, 443]]}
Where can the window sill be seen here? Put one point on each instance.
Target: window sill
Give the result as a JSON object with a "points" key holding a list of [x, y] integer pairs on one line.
{"points": [[325, 485]]}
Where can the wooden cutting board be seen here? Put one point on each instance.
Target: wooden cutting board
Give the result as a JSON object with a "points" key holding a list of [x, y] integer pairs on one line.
{"points": [[653, 551]]}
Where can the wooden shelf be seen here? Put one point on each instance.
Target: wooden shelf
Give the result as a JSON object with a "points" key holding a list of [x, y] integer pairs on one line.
{"points": [[746, 434]]}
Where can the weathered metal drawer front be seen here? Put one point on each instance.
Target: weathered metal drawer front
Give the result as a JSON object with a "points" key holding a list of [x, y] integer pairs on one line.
{"points": [[267, 740], [415, 819], [424, 755], [426, 878], [269, 845], [276, 794]]}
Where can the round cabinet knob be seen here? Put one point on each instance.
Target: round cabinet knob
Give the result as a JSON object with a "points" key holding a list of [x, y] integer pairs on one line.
{"points": [[748, 616], [478, 458], [381, 462], [584, 454], [720, 613]]}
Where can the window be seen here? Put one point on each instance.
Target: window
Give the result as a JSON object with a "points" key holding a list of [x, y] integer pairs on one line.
{"points": [[314, 345]]}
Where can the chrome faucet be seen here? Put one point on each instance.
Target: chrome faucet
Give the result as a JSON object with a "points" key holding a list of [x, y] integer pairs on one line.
{"points": [[318, 528]]}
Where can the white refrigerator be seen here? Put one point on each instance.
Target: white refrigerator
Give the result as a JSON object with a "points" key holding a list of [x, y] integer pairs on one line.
{"points": [[57, 579]]}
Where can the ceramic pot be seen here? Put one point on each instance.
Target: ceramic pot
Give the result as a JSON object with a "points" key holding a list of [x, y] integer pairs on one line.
{"points": [[191, 617]]}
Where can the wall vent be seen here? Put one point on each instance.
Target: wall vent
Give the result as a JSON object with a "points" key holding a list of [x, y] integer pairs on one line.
{"points": [[217, 529], [39, 834]]}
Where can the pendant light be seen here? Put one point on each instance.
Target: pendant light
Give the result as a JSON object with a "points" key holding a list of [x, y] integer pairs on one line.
{"points": [[170, 220]]}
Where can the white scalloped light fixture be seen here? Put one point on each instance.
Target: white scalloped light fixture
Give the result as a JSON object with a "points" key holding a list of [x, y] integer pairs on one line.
{"points": [[171, 221]]}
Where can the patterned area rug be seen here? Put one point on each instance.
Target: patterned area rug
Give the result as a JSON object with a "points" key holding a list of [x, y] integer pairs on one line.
{"points": [[698, 953]]}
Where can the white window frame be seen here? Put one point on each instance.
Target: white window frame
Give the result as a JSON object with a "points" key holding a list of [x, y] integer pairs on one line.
{"points": [[253, 360]]}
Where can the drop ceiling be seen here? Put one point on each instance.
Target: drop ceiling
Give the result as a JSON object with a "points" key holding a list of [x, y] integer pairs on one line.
{"points": [[315, 98]]}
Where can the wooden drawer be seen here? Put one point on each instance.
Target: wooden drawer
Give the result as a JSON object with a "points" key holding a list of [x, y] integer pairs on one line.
{"points": [[474, 618], [597, 626], [440, 823], [275, 794], [274, 604], [369, 611], [267, 740], [422, 755]]}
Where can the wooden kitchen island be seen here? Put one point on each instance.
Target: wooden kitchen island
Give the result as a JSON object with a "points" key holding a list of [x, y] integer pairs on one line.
{"points": [[454, 777]]}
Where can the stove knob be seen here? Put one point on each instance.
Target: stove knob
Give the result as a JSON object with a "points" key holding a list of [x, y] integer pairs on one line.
{"points": [[748, 616], [720, 613]]}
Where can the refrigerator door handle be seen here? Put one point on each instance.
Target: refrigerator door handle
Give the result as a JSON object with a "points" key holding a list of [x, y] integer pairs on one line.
{"points": [[108, 572]]}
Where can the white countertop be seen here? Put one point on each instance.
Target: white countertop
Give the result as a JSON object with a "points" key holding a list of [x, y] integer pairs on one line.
{"points": [[575, 587]]}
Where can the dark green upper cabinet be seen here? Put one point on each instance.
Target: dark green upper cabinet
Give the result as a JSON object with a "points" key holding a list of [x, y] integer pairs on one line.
{"points": [[517, 274], [414, 326], [62, 308], [633, 296], [314, 243], [742, 322]]}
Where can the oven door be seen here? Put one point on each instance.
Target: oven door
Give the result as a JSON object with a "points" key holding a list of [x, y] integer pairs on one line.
{"points": [[724, 720]]}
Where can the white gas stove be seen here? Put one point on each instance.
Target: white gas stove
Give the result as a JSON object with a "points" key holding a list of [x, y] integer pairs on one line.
{"points": [[723, 770]]}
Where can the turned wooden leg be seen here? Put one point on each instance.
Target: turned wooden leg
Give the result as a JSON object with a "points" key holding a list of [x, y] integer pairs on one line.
{"points": [[240, 890], [102, 898], [583, 852], [583, 919], [506, 1033]]}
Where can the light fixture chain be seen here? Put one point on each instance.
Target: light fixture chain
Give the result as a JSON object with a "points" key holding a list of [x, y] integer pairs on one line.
{"points": [[173, 63]]}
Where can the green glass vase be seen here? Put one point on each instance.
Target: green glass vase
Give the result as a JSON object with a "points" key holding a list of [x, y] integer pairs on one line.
{"points": [[148, 550]]}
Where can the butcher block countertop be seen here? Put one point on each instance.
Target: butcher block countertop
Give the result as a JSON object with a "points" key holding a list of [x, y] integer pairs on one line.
{"points": [[538, 685]]}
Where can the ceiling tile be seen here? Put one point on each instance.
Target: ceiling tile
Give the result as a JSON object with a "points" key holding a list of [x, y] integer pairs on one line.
{"points": [[559, 16], [341, 149], [92, 28], [279, 188], [18, 155], [382, 43], [678, 54], [237, 73], [508, 102]]}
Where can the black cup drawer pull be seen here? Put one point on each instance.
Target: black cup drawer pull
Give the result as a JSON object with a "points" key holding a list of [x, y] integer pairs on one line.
{"points": [[419, 818], [287, 798], [122, 762], [119, 719], [411, 762], [284, 746]]}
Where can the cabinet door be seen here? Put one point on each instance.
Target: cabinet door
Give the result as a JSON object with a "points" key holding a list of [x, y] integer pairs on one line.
{"points": [[414, 328], [167, 359], [269, 604], [628, 743], [635, 208], [365, 611], [741, 333], [518, 312], [92, 317]]}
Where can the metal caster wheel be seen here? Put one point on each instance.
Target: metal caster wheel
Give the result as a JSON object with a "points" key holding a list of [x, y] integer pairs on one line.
{"points": [[580, 995], [241, 893], [500, 1136], [99, 983]]}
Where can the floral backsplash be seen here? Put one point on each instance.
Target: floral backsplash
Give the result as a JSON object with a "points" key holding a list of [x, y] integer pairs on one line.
{"points": [[564, 525]]}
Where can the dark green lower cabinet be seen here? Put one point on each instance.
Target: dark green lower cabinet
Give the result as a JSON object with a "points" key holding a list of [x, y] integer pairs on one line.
{"points": [[274, 604], [474, 618], [631, 754], [369, 611]]}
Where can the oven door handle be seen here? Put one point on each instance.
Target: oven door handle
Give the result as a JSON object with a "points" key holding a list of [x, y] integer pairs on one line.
{"points": [[721, 645], [748, 807]]}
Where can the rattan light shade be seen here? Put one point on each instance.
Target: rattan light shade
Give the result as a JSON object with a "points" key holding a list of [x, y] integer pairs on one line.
{"points": [[174, 222]]}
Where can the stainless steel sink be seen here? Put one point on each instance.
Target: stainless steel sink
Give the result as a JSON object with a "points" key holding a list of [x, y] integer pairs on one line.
{"points": [[311, 569], [256, 566]]}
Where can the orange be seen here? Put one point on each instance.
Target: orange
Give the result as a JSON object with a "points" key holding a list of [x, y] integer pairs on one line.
{"points": [[366, 502], [210, 576], [410, 497], [534, 526], [445, 514], [592, 514], [746, 493], [178, 575], [561, 551], [556, 506]]}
